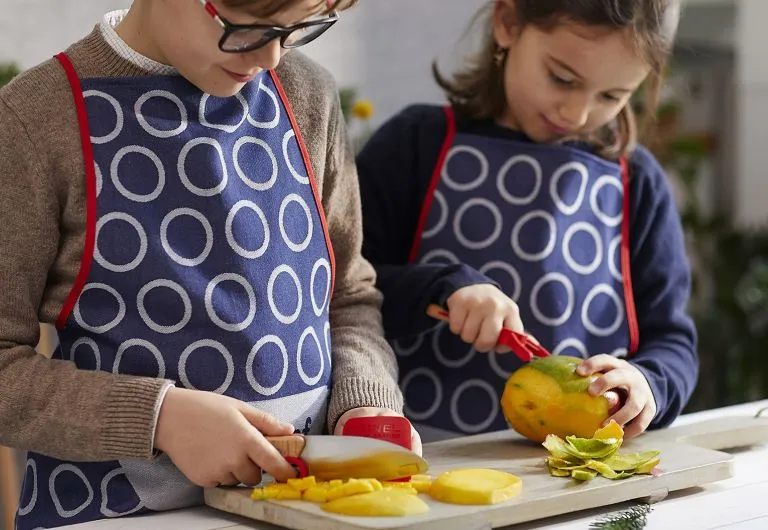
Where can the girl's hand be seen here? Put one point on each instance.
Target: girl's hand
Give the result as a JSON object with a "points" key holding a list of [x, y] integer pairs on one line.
{"points": [[217, 440], [478, 312], [364, 412], [638, 407]]}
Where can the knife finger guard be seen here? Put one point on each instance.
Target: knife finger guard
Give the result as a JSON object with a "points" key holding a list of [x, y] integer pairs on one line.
{"points": [[302, 470]]}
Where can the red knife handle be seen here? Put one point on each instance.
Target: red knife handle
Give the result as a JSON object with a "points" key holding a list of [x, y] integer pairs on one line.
{"points": [[291, 447]]}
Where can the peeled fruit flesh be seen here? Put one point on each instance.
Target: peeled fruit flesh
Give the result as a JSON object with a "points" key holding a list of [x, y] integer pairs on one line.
{"points": [[546, 396], [475, 486], [371, 496], [381, 503]]}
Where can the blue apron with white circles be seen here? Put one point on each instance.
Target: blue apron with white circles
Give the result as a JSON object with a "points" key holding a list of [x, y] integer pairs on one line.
{"points": [[545, 222], [210, 267]]}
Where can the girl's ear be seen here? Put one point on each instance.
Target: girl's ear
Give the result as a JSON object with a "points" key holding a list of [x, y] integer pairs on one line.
{"points": [[504, 23]]}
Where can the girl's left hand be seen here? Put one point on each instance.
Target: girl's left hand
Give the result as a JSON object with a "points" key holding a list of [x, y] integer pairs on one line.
{"points": [[639, 406], [364, 412]]}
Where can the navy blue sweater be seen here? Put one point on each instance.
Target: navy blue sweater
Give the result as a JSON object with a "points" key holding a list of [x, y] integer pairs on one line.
{"points": [[395, 169]]}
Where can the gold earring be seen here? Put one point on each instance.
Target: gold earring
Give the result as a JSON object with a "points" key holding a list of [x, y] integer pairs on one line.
{"points": [[499, 55]]}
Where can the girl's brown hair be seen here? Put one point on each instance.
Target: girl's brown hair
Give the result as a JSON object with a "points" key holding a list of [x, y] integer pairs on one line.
{"points": [[477, 90], [267, 8]]}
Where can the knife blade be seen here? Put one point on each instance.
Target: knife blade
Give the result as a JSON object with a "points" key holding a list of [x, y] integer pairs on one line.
{"points": [[342, 457]]}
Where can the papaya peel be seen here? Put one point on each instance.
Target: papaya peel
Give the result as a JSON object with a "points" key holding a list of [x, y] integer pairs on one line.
{"points": [[582, 459]]}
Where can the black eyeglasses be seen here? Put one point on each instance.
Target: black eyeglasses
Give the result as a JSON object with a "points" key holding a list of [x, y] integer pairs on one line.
{"points": [[241, 38]]}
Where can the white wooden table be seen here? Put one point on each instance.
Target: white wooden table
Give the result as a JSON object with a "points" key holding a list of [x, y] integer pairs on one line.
{"points": [[737, 503]]}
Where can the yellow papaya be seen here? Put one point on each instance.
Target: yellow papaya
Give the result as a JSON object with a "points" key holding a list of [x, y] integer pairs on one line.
{"points": [[547, 396]]}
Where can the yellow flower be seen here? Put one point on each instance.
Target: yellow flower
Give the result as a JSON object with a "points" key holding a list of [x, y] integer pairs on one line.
{"points": [[362, 109]]}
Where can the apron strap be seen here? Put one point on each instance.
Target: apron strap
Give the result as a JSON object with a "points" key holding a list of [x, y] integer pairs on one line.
{"points": [[626, 271], [310, 175], [90, 191], [450, 133]]}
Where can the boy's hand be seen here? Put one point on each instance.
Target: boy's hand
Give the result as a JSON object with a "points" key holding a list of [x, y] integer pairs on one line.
{"points": [[364, 412], [217, 440], [639, 406], [478, 312]]}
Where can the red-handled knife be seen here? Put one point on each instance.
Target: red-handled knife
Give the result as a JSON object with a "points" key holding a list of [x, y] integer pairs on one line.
{"points": [[343, 457]]}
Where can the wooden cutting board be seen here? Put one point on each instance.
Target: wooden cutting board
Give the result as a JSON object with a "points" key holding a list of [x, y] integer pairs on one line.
{"points": [[689, 458]]}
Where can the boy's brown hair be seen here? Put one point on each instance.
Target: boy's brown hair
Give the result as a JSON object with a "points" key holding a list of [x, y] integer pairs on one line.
{"points": [[477, 90], [267, 8]]}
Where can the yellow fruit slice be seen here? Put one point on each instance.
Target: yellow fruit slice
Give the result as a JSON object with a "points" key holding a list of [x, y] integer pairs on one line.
{"points": [[381, 503], [475, 486]]}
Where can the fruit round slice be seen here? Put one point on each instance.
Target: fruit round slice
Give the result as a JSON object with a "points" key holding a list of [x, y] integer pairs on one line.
{"points": [[475, 486], [380, 503]]}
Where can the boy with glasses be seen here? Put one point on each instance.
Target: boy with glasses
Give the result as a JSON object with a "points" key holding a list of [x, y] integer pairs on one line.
{"points": [[191, 224]]}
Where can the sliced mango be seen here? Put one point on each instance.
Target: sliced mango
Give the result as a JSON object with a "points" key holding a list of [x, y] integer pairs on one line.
{"points": [[475, 486], [352, 487], [301, 484], [382, 503], [315, 494]]}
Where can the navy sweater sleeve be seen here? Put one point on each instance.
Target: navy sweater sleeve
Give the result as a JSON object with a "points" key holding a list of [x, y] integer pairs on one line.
{"points": [[661, 282], [395, 169]]}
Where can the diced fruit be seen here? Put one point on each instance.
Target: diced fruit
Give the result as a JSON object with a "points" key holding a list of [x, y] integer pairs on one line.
{"points": [[315, 494], [422, 484], [301, 484], [352, 487], [382, 503], [280, 492], [406, 487], [475, 486]]}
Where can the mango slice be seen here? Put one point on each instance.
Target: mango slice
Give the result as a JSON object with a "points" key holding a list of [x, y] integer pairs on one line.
{"points": [[475, 486], [382, 503]]}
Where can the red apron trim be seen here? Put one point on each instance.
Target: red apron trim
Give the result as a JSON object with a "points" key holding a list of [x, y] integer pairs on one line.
{"points": [[90, 192], [450, 133], [626, 271], [310, 174]]}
